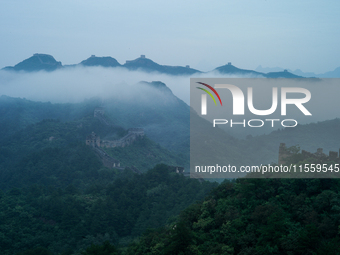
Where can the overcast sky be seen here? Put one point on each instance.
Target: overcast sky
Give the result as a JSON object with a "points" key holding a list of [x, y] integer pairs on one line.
{"points": [[290, 34]]}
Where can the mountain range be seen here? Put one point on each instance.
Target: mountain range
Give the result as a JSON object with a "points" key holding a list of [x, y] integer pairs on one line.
{"points": [[166, 121], [331, 74], [47, 62], [58, 198]]}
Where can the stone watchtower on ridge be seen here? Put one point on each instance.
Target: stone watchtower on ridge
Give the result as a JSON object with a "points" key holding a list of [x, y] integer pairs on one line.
{"points": [[285, 154], [98, 112], [93, 140]]}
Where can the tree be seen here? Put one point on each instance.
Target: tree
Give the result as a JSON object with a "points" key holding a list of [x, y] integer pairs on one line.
{"points": [[36, 251], [181, 238], [105, 249]]}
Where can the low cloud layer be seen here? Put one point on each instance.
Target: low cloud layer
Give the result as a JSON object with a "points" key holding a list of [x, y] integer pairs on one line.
{"points": [[71, 85], [79, 83], [75, 84]]}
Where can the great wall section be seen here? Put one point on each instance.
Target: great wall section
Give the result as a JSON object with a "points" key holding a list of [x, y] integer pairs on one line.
{"points": [[97, 144], [133, 134], [285, 154]]}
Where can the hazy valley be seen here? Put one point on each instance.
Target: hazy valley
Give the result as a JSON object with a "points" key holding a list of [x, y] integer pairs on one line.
{"points": [[58, 196]]}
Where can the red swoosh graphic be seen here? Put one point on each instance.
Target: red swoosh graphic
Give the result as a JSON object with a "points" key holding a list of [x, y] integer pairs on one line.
{"points": [[212, 90]]}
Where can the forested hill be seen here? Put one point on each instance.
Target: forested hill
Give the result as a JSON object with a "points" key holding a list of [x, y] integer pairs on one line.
{"points": [[18, 113], [261, 149], [165, 120], [54, 153], [57, 197], [53, 220], [149, 105], [254, 216]]}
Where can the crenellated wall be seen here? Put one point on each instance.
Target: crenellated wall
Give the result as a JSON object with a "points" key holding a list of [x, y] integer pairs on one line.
{"points": [[97, 144], [133, 134], [284, 155]]}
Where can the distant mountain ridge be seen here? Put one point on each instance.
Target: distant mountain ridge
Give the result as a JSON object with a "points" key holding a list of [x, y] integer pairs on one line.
{"points": [[144, 64], [230, 69], [100, 61], [331, 74], [164, 117], [36, 63], [45, 62]]}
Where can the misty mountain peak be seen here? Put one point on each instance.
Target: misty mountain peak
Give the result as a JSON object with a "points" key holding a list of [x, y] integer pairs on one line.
{"points": [[284, 74], [47, 62], [230, 69], [143, 63], [148, 65], [36, 63], [100, 61], [158, 85]]}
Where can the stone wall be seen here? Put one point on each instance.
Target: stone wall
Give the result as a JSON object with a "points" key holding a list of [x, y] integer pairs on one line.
{"points": [[284, 155], [95, 141], [99, 114], [107, 160]]}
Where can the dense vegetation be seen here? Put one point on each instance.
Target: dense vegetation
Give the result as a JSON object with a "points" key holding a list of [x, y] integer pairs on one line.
{"points": [[17, 113], [165, 119], [152, 106], [253, 216], [263, 149], [57, 198], [56, 195], [52, 152], [144, 154], [69, 220]]}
